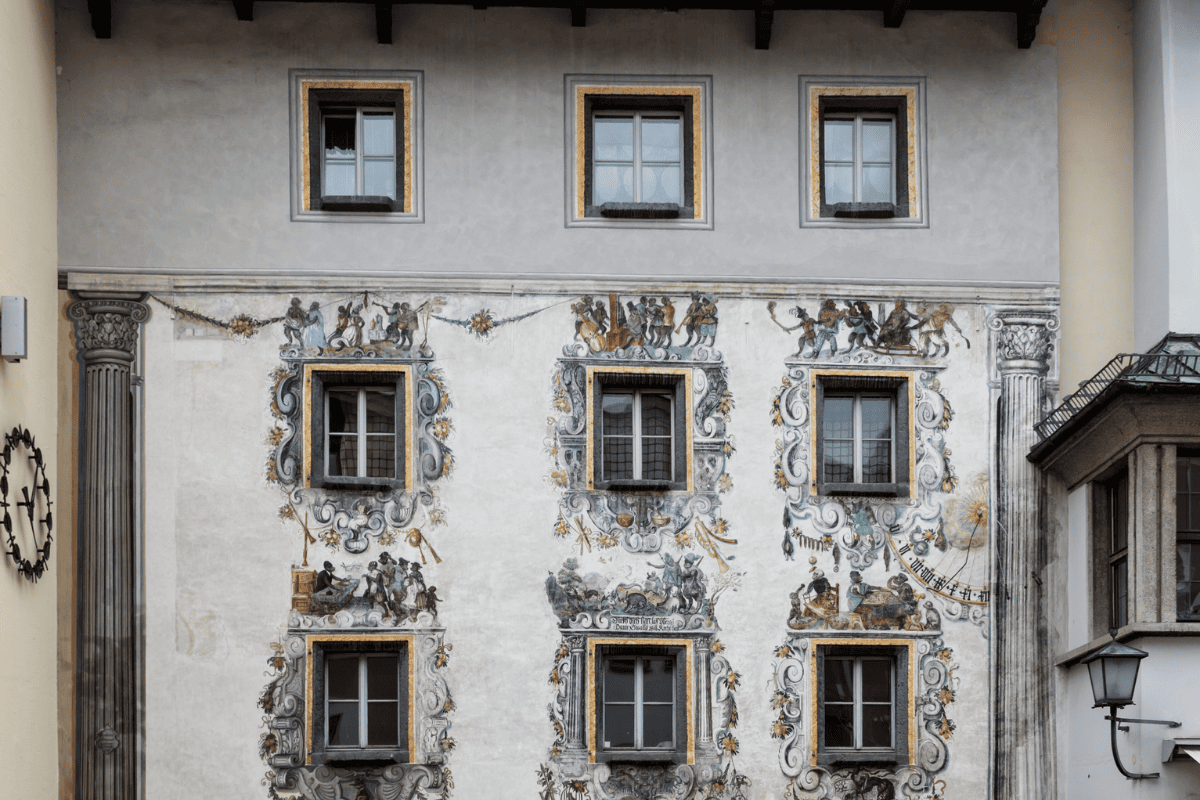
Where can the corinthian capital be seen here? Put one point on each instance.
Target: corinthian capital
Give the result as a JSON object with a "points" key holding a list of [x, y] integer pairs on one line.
{"points": [[106, 326], [1024, 339]]}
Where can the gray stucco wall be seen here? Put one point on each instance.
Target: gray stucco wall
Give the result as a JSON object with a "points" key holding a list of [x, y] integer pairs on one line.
{"points": [[174, 148]]}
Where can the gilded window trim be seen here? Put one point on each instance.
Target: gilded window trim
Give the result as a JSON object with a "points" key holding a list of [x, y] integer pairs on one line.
{"points": [[590, 669], [593, 369], [307, 85], [409, 651], [813, 413], [816, 92], [409, 401], [698, 113], [903, 704]]}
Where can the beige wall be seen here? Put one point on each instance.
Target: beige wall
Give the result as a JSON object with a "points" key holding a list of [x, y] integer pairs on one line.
{"points": [[28, 266], [1095, 105]]}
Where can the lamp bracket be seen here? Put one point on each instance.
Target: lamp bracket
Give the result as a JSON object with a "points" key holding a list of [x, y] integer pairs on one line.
{"points": [[1169, 723]]}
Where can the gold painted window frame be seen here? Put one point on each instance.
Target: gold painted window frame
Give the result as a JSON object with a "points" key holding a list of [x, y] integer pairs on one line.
{"points": [[409, 404], [409, 651], [902, 705], [683, 372], [590, 668], [815, 416]]}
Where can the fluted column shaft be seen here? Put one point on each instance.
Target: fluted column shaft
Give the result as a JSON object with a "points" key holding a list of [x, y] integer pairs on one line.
{"points": [[703, 693], [106, 329], [1025, 768], [575, 698]]}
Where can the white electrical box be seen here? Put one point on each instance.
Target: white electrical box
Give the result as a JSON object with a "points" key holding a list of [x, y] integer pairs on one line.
{"points": [[14, 338]]}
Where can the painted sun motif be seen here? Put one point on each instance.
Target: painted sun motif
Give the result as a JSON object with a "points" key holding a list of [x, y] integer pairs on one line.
{"points": [[955, 561]]}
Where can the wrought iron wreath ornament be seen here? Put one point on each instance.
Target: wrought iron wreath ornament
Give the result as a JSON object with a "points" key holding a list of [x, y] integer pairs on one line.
{"points": [[19, 438]]}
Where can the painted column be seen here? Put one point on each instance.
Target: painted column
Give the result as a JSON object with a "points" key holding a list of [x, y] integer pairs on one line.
{"points": [[106, 331], [703, 694], [575, 714], [1024, 734]]}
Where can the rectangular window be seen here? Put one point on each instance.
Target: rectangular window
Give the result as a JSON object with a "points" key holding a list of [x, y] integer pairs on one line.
{"points": [[862, 704], [637, 157], [356, 429], [639, 703], [359, 153], [362, 701], [1187, 538], [1117, 491], [862, 436], [859, 164], [639, 432]]}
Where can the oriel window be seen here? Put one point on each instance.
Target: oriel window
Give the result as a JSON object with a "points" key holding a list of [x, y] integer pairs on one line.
{"points": [[1187, 538]]}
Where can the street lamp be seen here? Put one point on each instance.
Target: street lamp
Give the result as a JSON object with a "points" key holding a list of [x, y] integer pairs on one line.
{"points": [[1113, 670]]}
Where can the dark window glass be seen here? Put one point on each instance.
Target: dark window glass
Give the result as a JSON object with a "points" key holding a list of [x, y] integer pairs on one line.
{"points": [[639, 702], [1187, 544], [858, 432], [362, 695], [858, 701], [361, 432], [1118, 560]]}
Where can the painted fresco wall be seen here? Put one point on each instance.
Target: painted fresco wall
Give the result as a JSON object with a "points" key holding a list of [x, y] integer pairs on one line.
{"points": [[506, 573]]}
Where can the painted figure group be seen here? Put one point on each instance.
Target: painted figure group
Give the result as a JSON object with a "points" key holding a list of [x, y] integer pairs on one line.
{"points": [[895, 335], [307, 328], [648, 322], [891, 607], [397, 588], [681, 588]]}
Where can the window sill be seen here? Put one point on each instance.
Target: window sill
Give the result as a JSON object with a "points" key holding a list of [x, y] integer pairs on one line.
{"points": [[357, 485], [361, 758], [860, 211], [863, 489], [640, 210], [642, 757], [889, 757], [376, 203], [638, 486]]}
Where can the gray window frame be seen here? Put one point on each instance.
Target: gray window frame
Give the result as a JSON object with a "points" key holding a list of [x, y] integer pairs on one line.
{"points": [[339, 102], [895, 387], [898, 753], [322, 383], [609, 381], [348, 756], [680, 749], [639, 208]]}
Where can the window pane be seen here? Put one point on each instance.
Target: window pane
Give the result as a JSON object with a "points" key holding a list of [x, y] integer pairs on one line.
{"points": [[877, 141], [618, 414], [658, 726], [839, 725], [379, 177], [839, 462], [379, 134], [381, 456], [839, 680], [656, 459], [1120, 593], [383, 724], [838, 420], [618, 726], [839, 184], [613, 184], [877, 462], [877, 725], [343, 723], [618, 680], [343, 678], [1119, 501], [660, 139], [613, 139], [381, 411], [383, 677], [618, 458], [339, 137], [339, 179], [839, 140], [877, 418], [877, 184], [343, 411], [343, 455], [1187, 572], [660, 184], [656, 415], [876, 681], [658, 680]]}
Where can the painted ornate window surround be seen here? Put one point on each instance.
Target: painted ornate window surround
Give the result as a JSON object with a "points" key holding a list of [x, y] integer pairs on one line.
{"points": [[313, 92], [685, 98], [899, 655], [902, 100], [602, 648]]}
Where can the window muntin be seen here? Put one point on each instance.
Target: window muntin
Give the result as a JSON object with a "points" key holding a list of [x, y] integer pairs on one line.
{"points": [[1117, 491], [362, 701], [637, 157], [360, 432], [859, 163], [859, 703], [358, 147], [858, 431], [636, 435], [1187, 538], [638, 702]]}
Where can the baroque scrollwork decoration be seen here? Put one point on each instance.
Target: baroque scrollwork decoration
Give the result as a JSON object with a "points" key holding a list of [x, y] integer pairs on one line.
{"points": [[349, 520], [642, 335], [794, 706], [34, 502]]}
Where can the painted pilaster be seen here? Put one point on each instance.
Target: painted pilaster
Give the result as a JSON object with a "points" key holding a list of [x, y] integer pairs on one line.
{"points": [[704, 738], [575, 712], [1024, 736], [106, 331]]}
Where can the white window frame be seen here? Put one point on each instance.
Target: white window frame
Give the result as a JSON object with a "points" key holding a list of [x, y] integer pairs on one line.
{"points": [[637, 163], [362, 433], [364, 701], [858, 118], [858, 438], [360, 157], [858, 703], [637, 431], [639, 703]]}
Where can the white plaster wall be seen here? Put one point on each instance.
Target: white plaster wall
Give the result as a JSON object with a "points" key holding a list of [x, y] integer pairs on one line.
{"points": [[218, 557], [174, 141]]}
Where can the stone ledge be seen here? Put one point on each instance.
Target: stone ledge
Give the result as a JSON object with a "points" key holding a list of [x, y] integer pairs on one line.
{"points": [[1127, 634]]}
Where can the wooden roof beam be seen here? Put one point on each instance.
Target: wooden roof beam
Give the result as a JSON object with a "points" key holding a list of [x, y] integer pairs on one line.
{"points": [[101, 11], [764, 18], [1027, 23], [893, 13], [578, 14], [383, 23], [244, 10]]}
